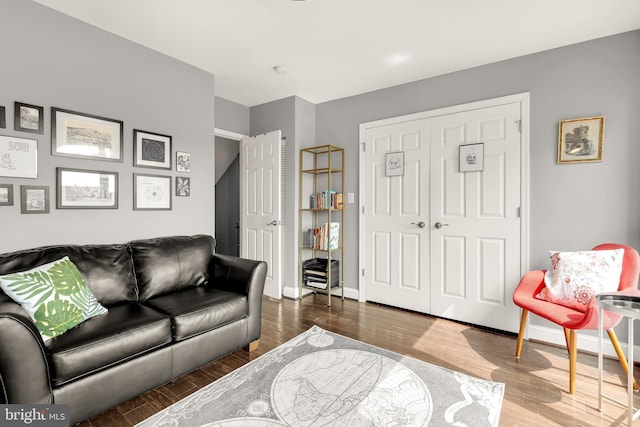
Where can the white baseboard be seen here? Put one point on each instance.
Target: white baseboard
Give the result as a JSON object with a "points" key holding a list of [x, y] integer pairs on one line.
{"points": [[587, 343], [292, 292]]}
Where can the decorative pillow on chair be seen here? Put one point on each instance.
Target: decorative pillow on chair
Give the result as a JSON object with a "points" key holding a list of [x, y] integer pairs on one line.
{"points": [[55, 296], [575, 277]]}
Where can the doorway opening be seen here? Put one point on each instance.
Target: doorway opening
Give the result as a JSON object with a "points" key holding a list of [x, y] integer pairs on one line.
{"points": [[227, 192]]}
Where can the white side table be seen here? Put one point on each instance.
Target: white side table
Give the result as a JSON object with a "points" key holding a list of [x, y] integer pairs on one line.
{"points": [[629, 307]]}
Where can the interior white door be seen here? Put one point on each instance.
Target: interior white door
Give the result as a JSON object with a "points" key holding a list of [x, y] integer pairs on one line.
{"points": [[396, 210], [260, 219], [475, 216]]}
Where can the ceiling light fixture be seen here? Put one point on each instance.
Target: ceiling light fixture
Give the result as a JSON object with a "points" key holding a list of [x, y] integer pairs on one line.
{"points": [[281, 69]]}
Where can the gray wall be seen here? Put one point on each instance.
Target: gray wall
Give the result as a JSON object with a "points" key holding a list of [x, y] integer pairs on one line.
{"points": [[49, 59], [573, 206], [232, 116]]}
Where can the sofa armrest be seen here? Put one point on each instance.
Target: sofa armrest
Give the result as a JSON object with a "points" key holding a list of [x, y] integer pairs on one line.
{"points": [[243, 276], [24, 371]]}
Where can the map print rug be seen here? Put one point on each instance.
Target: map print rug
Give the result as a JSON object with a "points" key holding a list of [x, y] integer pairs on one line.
{"points": [[324, 379]]}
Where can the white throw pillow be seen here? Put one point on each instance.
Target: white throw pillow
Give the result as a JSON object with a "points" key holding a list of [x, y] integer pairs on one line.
{"points": [[576, 277], [55, 296]]}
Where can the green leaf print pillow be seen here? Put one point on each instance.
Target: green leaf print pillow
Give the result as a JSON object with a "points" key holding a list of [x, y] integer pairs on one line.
{"points": [[55, 296]]}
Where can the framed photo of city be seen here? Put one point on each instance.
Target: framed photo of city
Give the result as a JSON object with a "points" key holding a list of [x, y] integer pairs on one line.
{"points": [[85, 136], [86, 189], [28, 118], [151, 150], [581, 140], [151, 192], [18, 157], [34, 199], [183, 161], [6, 194]]}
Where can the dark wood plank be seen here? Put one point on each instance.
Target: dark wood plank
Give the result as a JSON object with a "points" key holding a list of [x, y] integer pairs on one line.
{"points": [[536, 385]]}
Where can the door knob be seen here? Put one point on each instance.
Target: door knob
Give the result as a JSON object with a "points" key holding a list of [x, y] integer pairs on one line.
{"points": [[439, 225], [274, 222], [420, 224]]}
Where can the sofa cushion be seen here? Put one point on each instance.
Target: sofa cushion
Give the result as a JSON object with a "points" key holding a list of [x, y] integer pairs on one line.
{"points": [[126, 331], [201, 309], [55, 296], [107, 269], [169, 264]]}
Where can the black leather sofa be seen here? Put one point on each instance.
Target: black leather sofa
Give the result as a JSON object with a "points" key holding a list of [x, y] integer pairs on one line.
{"points": [[173, 306]]}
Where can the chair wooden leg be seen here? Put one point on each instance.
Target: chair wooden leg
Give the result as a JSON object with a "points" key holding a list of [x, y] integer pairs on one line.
{"points": [[623, 360], [573, 360], [523, 322], [566, 340]]}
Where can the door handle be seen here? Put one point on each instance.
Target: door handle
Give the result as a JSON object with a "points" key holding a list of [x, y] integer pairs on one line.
{"points": [[420, 224], [439, 225], [274, 222]]}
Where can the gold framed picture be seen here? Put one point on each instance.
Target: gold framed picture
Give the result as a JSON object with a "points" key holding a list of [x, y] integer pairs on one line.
{"points": [[581, 140]]}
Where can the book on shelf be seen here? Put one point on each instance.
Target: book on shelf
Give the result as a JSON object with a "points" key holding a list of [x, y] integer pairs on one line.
{"points": [[328, 199], [323, 238]]}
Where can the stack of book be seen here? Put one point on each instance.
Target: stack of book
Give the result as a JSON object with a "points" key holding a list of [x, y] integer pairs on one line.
{"points": [[323, 238], [328, 199], [315, 273]]}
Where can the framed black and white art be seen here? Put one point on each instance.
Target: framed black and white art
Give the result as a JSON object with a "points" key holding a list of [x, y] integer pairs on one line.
{"points": [[86, 189], [85, 136], [151, 150], [28, 118], [18, 157], [151, 192]]}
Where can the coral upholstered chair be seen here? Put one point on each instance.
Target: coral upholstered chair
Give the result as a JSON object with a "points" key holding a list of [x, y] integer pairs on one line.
{"points": [[571, 320]]}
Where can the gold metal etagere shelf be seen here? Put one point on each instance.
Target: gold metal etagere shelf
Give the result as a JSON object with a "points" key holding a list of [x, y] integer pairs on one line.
{"points": [[321, 169]]}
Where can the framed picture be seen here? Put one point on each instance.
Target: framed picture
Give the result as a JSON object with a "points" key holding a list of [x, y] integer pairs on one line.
{"points": [[28, 118], [394, 164], [86, 189], [85, 136], [183, 161], [151, 192], [34, 199], [18, 157], [151, 150], [6, 194], [3, 117], [471, 157], [581, 140], [183, 186]]}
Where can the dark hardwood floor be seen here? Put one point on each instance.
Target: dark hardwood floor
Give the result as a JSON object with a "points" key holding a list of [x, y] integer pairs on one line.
{"points": [[536, 385]]}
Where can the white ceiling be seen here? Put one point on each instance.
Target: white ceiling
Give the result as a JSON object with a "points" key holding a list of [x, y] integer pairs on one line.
{"points": [[338, 48]]}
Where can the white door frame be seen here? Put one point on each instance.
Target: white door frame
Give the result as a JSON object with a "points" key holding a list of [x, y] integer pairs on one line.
{"points": [[523, 99], [234, 136]]}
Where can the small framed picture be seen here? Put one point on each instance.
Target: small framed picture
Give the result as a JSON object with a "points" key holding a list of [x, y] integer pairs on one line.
{"points": [[28, 118], [183, 186], [18, 157], [85, 136], [581, 140], [151, 192], [3, 117], [394, 164], [183, 161], [86, 189], [151, 150], [6, 194], [471, 157], [34, 199]]}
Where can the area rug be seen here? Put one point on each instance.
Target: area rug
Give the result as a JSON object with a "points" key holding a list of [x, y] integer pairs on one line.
{"points": [[324, 379]]}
